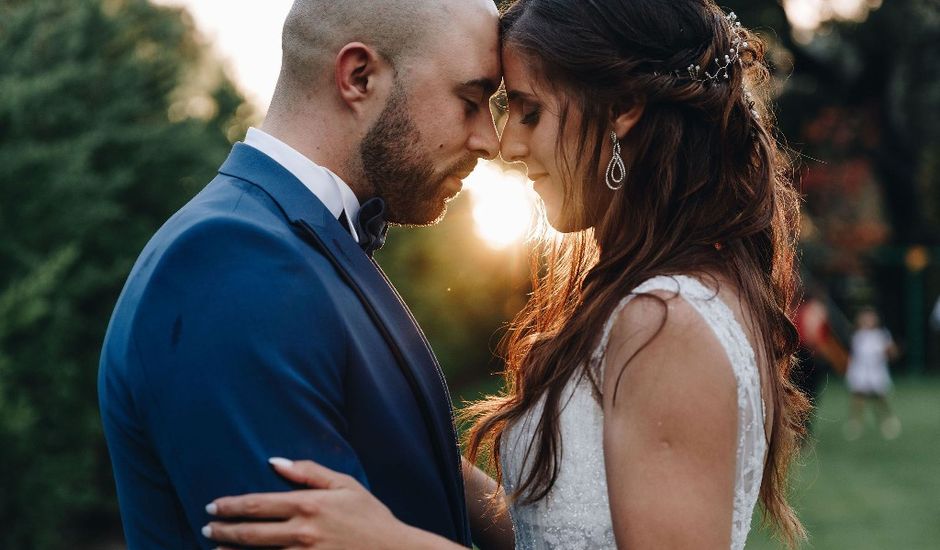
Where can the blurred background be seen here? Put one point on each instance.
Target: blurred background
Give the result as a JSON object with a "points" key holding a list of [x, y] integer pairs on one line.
{"points": [[113, 113]]}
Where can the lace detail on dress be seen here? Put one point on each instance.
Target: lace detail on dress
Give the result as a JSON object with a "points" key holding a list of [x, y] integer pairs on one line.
{"points": [[576, 513]]}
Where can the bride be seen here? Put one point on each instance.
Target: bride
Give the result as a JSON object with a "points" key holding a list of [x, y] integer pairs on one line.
{"points": [[647, 402]]}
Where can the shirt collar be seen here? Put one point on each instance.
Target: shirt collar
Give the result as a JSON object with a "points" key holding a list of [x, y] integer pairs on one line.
{"points": [[332, 191]]}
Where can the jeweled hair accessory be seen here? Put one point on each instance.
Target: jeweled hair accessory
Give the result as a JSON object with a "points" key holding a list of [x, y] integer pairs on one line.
{"points": [[722, 66]]}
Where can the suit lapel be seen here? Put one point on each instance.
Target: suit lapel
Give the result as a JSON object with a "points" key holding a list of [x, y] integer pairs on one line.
{"points": [[393, 319]]}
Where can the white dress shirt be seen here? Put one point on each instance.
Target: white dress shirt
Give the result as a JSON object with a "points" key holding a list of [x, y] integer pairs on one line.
{"points": [[332, 191]]}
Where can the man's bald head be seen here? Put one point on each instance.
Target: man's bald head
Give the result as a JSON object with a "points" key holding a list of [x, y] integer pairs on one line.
{"points": [[399, 30]]}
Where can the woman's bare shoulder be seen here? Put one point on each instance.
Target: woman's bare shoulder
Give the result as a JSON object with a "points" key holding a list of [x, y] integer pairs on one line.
{"points": [[661, 343]]}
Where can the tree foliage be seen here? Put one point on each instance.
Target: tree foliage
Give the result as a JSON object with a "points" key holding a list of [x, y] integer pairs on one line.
{"points": [[862, 105], [461, 292], [111, 117]]}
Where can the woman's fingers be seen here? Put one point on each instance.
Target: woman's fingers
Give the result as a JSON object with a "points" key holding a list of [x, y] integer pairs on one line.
{"points": [[283, 505], [337, 513], [311, 474], [261, 505], [260, 534]]}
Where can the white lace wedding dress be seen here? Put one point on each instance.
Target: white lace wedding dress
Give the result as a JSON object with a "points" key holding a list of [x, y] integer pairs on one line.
{"points": [[576, 513]]}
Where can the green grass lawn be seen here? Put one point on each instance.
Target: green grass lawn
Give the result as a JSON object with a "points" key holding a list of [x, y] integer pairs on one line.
{"points": [[870, 493]]}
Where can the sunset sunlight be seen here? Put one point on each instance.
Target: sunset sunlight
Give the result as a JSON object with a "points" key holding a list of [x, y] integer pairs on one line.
{"points": [[503, 204]]}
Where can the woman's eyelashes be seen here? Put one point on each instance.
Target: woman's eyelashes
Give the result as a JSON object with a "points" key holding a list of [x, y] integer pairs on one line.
{"points": [[531, 116]]}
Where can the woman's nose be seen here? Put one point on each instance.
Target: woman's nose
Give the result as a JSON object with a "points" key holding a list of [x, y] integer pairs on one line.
{"points": [[511, 147]]}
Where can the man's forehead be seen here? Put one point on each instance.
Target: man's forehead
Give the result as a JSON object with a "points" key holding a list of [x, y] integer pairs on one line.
{"points": [[475, 74], [473, 55], [470, 23], [486, 85]]}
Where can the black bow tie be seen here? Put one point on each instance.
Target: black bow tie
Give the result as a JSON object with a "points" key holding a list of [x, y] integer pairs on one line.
{"points": [[372, 226]]}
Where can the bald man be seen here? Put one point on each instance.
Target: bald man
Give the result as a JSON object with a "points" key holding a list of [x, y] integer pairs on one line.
{"points": [[255, 323]]}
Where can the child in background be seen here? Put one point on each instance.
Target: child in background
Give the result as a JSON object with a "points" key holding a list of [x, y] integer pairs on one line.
{"points": [[867, 376]]}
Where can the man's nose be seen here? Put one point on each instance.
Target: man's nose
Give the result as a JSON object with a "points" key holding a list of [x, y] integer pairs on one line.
{"points": [[484, 141]]}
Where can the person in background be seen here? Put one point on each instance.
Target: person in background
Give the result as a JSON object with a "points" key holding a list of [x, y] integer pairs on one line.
{"points": [[867, 376], [820, 347]]}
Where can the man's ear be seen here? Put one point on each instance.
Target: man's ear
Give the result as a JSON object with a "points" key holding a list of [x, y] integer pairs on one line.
{"points": [[626, 117], [359, 71]]}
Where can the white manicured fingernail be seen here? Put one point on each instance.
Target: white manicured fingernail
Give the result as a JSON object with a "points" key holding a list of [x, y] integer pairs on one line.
{"points": [[207, 531], [212, 508], [283, 462]]}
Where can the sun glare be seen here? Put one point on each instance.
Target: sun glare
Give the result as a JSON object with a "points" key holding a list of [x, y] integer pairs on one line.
{"points": [[804, 15], [503, 204]]}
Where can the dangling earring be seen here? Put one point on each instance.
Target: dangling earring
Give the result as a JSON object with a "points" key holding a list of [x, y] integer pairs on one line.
{"points": [[616, 171]]}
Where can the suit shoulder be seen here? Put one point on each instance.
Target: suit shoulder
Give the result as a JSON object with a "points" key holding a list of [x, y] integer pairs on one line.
{"points": [[208, 251], [230, 221]]}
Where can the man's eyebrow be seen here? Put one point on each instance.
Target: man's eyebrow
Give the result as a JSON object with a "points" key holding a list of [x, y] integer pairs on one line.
{"points": [[487, 86]]}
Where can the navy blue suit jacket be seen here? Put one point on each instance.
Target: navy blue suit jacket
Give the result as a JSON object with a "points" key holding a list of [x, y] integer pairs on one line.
{"points": [[252, 326]]}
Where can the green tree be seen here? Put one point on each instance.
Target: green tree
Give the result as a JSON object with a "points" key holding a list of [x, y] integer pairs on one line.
{"points": [[868, 91], [462, 293], [111, 117]]}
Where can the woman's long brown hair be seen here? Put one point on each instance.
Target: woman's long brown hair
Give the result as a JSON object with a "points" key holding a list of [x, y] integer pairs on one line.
{"points": [[703, 168]]}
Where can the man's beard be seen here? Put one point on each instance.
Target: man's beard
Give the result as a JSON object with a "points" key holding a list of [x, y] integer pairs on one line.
{"points": [[400, 172]]}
